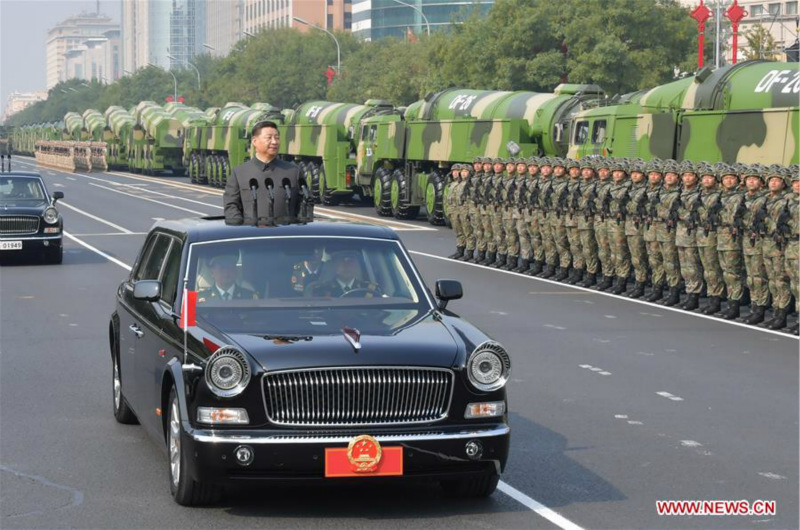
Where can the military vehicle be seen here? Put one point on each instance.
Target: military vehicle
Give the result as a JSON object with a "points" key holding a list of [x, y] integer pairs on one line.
{"points": [[402, 158], [73, 127], [94, 124], [321, 137], [223, 142], [157, 141], [746, 113], [118, 135]]}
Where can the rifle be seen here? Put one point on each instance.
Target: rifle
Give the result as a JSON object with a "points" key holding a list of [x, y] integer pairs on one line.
{"points": [[758, 223], [562, 202], [548, 195], [641, 211], [574, 202], [591, 207], [672, 216], [651, 214], [533, 197], [605, 206], [512, 193], [782, 227], [522, 196], [694, 217], [712, 217]]}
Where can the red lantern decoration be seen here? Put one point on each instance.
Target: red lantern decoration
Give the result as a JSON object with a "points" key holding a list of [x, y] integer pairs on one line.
{"points": [[181, 99], [735, 14], [169, 99], [701, 14], [330, 73]]}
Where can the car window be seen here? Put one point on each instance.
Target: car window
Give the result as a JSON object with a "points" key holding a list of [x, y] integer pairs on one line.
{"points": [[151, 269], [599, 132], [172, 269], [141, 261], [15, 188], [581, 132]]}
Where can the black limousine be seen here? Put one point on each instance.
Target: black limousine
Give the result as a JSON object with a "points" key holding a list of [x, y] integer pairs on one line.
{"points": [[30, 224], [303, 351]]}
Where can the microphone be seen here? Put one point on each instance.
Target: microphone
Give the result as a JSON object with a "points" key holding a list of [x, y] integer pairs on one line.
{"points": [[270, 186], [304, 204], [254, 191]]}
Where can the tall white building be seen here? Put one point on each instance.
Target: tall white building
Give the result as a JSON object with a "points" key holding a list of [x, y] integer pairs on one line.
{"points": [[18, 101], [154, 30], [68, 35], [224, 25]]}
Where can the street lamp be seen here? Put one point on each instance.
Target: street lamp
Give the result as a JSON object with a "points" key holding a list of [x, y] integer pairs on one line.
{"points": [[209, 47], [248, 33], [190, 64], [335, 40], [418, 10], [174, 79]]}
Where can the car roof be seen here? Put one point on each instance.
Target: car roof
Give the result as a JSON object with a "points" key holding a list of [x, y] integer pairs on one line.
{"points": [[196, 229], [20, 174]]}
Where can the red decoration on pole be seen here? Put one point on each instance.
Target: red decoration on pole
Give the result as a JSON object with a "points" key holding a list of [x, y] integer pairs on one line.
{"points": [[181, 99], [735, 14], [169, 99], [330, 73], [701, 14]]}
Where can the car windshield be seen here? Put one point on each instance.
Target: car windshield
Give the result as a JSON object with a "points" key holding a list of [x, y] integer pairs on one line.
{"points": [[17, 188], [305, 285]]}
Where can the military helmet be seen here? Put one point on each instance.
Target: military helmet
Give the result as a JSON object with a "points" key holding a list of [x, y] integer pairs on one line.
{"points": [[618, 164], [477, 159], [603, 163], [558, 161], [795, 168], [723, 169], [571, 163], [654, 166], [533, 161], [545, 161], [671, 166], [704, 168], [687, 166], [587, 162], [754, 170], [498, 160], [775, 170]]}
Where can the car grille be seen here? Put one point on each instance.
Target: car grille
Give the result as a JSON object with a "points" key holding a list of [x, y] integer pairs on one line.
{"points": [[357, 396], [18, 225]]}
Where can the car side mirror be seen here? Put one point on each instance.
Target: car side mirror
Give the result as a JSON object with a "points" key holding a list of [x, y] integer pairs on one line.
{"points": [[147, 290], [447, 290], [58, 195]]}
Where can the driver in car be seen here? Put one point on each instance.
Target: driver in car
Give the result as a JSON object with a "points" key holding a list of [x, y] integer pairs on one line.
{"points": [[346, 280], [223, 272]]}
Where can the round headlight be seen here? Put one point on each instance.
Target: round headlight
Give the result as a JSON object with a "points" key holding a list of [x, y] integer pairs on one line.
{"points": [[488, 366], [227, 372], [50, 215]]}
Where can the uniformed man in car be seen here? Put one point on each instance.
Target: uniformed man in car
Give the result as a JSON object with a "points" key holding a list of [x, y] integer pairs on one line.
{"points": [[307, 271], [226, 286], [347, 279]]}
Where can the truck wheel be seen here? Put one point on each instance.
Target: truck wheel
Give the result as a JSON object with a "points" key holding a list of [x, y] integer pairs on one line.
{"points": [[193, 168], [312, 170], [325, 194], [224, 170], [401, 209], [434, 200], [185, 491], [381, 192], [202, 164], [212, 175]]}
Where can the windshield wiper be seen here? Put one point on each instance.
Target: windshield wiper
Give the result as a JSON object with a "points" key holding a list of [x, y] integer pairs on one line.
{"points": [[289, 338]]}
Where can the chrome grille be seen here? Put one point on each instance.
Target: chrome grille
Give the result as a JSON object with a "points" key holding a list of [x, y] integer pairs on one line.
{"points": [[357, 396], [18, 225]]}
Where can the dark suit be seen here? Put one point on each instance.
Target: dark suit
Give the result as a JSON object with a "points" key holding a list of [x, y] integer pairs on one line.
{"points": [[238, 199]]}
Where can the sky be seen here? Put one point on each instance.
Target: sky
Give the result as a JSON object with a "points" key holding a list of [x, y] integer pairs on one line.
{"points": [[23, 31]]}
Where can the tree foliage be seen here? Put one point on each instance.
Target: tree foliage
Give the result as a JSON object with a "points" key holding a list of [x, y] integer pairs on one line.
{"points": [[760, 43], [621, 45]]}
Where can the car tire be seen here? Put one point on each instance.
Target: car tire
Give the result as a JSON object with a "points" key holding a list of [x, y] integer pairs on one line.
{"points": [[185, 490], [434, 200], [326, 196], [122, 411], [400, 208], [381, 192], [473, 487]]}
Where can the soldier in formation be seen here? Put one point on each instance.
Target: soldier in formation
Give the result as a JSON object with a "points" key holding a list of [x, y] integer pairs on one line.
{"points": [[729, 231]]}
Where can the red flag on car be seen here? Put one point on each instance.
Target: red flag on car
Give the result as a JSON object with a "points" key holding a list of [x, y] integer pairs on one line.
{"points": [[189, 309]]}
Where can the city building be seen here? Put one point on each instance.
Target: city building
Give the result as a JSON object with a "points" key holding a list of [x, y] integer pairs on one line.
{"points": [[261, 15], [224, 19], [98, 58], [68, 35], [166, 34], [375, 19], [18, 101]]}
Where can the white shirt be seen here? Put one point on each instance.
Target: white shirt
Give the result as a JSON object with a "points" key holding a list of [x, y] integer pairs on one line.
{"points": [[226, 294]]}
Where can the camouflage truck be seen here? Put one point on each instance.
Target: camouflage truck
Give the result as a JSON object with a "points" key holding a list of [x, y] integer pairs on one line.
{"points": [[211, 150], [94, 124], [321, 137], [402, 158], [73, 127], [117, 135], [157, 140], [23, 139], [190, 118], [746, 112]]}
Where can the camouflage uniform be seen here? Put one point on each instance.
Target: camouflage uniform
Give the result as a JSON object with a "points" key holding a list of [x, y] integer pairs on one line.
{"points": [[571, 223], [654, 257], [451, 195], [635, 218], [729, 248], [620, 194], [556, 217], [710, 203], [496, 213], [601, 221], [791, 258], [773, 253], [509, 207], [666, 211], [548, 242], [464, 200], [487, 215], [523, 218], [585, 213], [534, 231], [757, 281], [686, 241], [475, 214]]}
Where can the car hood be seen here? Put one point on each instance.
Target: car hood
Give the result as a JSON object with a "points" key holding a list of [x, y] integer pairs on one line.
{"points": [[22, 207], [426, 343]]}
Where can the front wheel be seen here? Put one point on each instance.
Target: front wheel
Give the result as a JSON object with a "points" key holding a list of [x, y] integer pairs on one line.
{"points": [[326, 196], [381, 192], [474, 487], [434, 199], [185, 490], [122, 411], [400, 208]]}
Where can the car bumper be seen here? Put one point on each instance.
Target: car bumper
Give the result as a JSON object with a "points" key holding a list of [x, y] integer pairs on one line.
{"points": [[293, 456], [32, 244]]}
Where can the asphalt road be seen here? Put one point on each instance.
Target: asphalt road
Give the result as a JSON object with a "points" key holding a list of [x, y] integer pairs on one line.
{"points": [[614, 404]]}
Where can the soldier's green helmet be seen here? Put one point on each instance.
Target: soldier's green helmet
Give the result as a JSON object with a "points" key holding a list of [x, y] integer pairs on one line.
{"points": [[533, 161], [639, 166], [722, 169], [654, 166], [477, 160], [619, 164], [587, 162], [498, 160], [571, 163], [558, 161], [687, 166], [603, 163], [775, 170], [545, 161], [671, 166], [755, 170], [704, 168]]}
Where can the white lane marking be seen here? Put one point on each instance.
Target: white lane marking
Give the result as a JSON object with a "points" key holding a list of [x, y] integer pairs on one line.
{"points": [[103, 234], [645, 313], [58, 185], [602, 341], [691, 443], [91, 216], [147, 199], [157, 218], [633, 422], [537, 507], [609, 316], [604, 373], [72, 178], [112, 259], [773, 476], [621, 416], [501, 313], [669, 396], [616, 297], [594, 369], [553, 326], [645, 353]]}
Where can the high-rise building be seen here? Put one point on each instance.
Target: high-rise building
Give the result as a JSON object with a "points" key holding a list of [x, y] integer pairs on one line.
{"points": [[164, 33], [375, 19], [68, 35], [224, 20], [98, 58], [18, 101], [269, 14]]}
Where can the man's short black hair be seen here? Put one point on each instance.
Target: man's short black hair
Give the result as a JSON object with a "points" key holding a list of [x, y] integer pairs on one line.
{"points": [[263, 125]]}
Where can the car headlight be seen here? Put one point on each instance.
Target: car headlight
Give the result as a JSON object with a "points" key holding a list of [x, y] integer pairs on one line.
{"points": [[50, 215], [488, 366], [227, 372]]}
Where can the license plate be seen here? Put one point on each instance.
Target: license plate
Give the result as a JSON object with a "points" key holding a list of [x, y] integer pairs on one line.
{"points": [[10, 245], [363, 459]]}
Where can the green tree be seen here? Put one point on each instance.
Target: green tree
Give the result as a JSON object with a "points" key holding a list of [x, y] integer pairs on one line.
{"points": [[760, 43]]}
